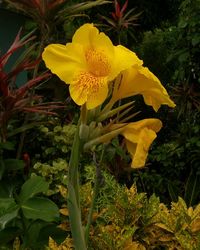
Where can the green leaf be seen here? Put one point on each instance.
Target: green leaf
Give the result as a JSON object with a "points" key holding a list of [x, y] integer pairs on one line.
{"points": [[31, 187], [8, 234], [8, 211], [40, 208], [192, 188], [53, 231], [13, 164], [173, 191], [33, 232]]}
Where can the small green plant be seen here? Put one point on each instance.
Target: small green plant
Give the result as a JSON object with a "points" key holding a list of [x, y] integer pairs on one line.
{"points": [[25, 214], [126, 219]]}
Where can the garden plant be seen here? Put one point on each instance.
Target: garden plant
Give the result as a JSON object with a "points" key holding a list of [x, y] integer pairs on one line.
{"points": [[94, 152]]}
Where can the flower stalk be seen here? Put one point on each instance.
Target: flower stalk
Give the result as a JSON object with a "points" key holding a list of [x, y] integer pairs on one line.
{"points": [[73, 194]]}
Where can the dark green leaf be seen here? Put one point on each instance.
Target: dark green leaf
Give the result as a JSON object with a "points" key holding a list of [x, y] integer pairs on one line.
{"points": [[192, 188], [31, 187], [40, 208], [8, 234], [53, 231], [8, 211], [173, 192]]}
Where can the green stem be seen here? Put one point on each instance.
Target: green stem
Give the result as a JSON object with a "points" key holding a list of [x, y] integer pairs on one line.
{"points": [[73, 194], [97, 182]]}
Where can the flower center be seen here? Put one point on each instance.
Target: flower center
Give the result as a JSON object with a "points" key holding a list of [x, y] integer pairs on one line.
{"points": [[88, 82], [97, 62]]}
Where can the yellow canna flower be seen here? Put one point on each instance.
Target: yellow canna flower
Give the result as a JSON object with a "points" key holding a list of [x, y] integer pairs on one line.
{"points": [[138, 138], [88, 63], [140, 80]]}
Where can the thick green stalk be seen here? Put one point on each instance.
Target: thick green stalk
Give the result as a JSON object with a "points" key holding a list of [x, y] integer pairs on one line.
{"points": [[73, 195]]}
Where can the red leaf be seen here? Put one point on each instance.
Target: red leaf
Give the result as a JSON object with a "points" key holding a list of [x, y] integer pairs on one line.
{"points": [[117, 9], [124, 7]]}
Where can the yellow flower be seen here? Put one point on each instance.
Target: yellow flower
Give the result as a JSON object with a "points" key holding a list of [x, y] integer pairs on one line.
{"points": [[140, 80], [88, 64], [138, 138]]}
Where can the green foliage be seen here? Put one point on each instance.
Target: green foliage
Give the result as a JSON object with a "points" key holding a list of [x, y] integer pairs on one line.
{"points": [[182, 177], [24, 210], [188, 44], [54, 173], [51, 160], [55, 141], [125, 219], [155, 49], [173, 52]]}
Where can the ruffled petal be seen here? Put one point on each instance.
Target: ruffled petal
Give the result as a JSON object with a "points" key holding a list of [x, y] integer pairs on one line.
{"points": [[123, 59], [153, 92], [85, 34], [139, 80], [131, 131], [138, 137], [146, 137], [90, 37], [64, 61]]}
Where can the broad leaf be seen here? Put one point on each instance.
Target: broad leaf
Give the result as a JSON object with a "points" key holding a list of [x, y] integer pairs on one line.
{"points": [[8, 234], [40, 208], [50, 230], [8, 211], [31, 187]]}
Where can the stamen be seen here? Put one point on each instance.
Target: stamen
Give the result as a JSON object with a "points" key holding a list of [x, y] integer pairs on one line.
{"points": [[88, 82], [98, 62]]}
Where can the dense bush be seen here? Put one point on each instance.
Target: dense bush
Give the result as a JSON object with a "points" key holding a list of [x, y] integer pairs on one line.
{"points": [[125, 219]]}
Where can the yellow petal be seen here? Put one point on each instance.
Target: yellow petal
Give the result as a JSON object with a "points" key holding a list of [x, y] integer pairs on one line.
{"points": [[98, 96], [132, 130], [64, 61], [124, 59], [85, 34], [152, 90], [139, 136], [90, 38], [139, 80], [89, 89], [146, 137], [131, 147]]}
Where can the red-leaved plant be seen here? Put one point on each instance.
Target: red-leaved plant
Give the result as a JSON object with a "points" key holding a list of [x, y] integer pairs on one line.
{"points": [[15, 99]]}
